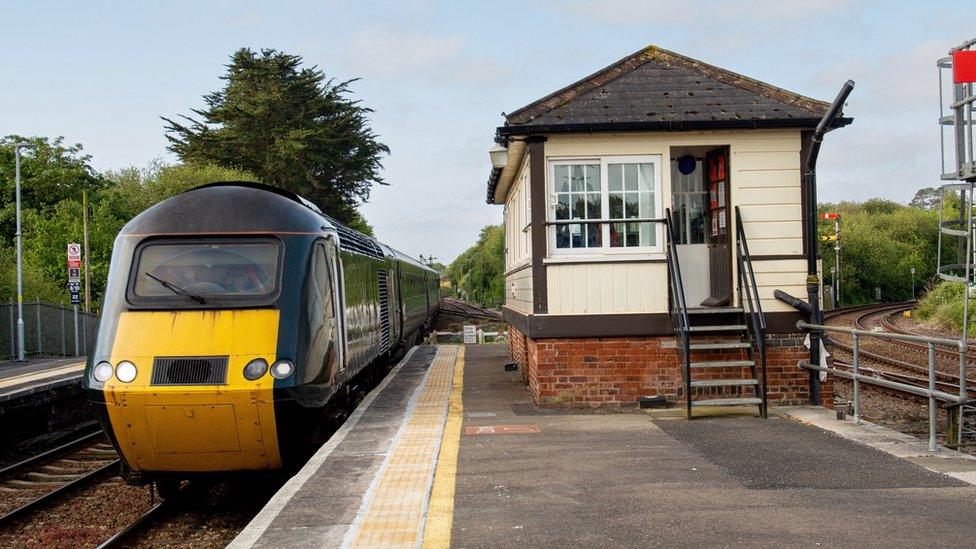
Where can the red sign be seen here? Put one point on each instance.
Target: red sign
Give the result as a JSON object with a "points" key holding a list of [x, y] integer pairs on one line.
{"points": [[829, 215], [964, 66], [74, 263]]}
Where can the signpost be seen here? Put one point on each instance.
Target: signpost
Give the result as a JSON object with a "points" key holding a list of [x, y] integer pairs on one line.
{"points": [[470, 335], [835, 238], [74, 283]]}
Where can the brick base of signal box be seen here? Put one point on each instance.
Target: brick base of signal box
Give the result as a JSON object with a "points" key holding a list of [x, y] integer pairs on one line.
{"points": [[607, 371]]}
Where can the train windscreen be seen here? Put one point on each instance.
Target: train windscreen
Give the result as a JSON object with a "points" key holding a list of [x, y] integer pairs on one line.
{"points": [[201, 270]]}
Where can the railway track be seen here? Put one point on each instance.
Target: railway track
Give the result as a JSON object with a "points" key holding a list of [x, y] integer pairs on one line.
{"points": [[41, 480], [909, 359], [457, 307], [51, 477]]}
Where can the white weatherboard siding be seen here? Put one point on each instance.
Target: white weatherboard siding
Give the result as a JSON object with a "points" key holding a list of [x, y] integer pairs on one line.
{"points": [[597, 288], [518, 243], [518, 291], [765, 184]]}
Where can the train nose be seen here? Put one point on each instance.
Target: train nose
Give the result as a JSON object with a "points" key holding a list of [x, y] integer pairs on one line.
{"points": [[178, 415]]}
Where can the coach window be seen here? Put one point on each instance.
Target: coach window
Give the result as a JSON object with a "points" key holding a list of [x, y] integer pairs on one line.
{"points": [[621, 195], [323, 360]]}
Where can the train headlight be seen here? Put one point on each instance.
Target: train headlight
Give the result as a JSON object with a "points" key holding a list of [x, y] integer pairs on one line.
{"points": [[102, 372], [255, 369], [282, 369], [125, 371]]}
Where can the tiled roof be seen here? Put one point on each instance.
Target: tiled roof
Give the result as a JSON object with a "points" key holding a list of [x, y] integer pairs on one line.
{"points": [[658, 89]]}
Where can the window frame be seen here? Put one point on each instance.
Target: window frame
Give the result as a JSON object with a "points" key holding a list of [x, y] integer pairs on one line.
{"points": [[604, 249], [176, 301]]}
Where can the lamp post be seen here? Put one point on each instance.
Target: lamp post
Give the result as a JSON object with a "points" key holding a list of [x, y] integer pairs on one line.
{"points": [[20, 258]]}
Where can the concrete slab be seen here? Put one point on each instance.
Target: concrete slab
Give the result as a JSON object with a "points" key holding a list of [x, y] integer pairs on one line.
{"points": [[944, 460], [593, 479], [23, 379], [333, 496]]}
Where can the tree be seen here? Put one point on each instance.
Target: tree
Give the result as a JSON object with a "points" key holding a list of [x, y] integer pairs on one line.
{"points": [[290, 127], [479, 272], [50, 172], [926, 199]]}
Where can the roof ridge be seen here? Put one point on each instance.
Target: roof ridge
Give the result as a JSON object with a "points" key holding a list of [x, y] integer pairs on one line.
{"points": [[639, 58]]}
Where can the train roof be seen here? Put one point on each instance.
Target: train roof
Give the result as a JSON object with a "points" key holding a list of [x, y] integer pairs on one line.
{"points": [[247, 206]]}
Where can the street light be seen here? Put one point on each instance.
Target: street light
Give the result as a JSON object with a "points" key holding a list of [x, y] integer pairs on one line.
{"points": [[20, 258]]}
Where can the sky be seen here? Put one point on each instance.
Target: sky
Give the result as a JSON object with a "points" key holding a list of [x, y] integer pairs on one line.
{"points": [[439, 74]]}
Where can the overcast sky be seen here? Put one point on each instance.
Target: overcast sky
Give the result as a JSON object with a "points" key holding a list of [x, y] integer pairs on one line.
{"points": [[438, 75]]}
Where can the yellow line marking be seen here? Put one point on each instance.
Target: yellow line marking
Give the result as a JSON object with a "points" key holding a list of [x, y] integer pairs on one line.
{"points": [[440, 511], [394, 515], [26, 378]]}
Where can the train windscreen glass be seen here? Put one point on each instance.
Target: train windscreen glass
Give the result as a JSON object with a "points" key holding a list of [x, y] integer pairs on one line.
{"points": [[200, 271]]}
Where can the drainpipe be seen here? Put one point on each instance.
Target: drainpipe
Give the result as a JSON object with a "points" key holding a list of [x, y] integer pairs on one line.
{"points": [[813, 280]]}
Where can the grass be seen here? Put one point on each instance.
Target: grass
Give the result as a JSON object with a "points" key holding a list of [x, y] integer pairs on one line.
{"points": [[942, 306]]}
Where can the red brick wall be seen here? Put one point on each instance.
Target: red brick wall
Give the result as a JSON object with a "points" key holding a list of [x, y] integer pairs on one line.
{"points": [[617, 371]]}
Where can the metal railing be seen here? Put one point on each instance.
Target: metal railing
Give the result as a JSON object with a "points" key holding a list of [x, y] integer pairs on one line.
{"points": [[49, 330], [934, 395], [678, 307], [749, 296]]}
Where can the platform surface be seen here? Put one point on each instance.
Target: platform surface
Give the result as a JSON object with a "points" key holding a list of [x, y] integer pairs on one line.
{"points": [[506, 474], [19, 379]]}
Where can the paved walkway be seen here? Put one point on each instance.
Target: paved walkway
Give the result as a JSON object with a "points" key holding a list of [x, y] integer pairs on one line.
{"points": [[507, 474], [19, 379]]}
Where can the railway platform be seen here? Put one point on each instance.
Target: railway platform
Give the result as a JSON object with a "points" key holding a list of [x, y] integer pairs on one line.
{"points": [[450, 451], [22, 379]]}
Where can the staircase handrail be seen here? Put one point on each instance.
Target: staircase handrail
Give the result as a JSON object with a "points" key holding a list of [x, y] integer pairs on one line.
{"points": [[678, 306], [749, 291]]}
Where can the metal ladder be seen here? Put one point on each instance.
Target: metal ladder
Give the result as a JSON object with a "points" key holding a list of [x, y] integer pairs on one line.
{"points": [[958, 120]]}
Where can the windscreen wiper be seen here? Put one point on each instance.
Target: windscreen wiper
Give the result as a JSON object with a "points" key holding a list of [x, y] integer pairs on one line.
{"points": [[176, 289]]}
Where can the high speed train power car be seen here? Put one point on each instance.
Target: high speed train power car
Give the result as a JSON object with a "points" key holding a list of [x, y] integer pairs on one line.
{"points": [[234, 314]]}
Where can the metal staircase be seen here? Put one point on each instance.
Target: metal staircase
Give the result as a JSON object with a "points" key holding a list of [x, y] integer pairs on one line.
{"points": [[722, 349]]}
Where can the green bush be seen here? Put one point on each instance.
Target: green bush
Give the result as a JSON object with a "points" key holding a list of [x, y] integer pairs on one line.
{"points": [[942, 306]]}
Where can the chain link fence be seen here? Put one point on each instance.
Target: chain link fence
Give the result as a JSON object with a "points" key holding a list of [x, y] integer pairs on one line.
{"points": [[49, 330]]}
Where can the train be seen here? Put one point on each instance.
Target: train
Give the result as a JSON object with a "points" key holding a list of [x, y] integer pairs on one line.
{"points": [[236, 315]]}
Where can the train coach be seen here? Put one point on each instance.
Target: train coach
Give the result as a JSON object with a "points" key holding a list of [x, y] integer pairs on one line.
{"points": [[235, 315]]}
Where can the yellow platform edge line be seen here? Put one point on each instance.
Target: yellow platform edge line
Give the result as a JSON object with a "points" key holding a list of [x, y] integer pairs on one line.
{"points": [[440, 510]]}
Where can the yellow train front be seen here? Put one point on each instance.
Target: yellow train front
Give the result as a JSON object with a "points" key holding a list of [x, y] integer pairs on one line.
{"points": [[234, 315]]}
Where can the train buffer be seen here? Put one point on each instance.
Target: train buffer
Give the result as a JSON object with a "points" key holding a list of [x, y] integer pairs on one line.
{"points": [[450, 451]]}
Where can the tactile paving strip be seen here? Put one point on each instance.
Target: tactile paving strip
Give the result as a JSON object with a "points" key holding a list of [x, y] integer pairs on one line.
{"points": [[394, 515]]}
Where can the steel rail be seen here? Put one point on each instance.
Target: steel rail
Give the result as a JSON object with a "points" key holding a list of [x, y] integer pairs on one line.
{"points": [[20, 466], [80, 482], [145, 519]]}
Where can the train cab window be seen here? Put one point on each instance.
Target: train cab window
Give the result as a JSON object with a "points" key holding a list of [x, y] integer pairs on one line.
{"points": [[183, 272]]}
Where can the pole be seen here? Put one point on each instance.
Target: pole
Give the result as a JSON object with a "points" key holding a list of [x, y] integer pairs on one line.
{"points": [[837, 260], [810, 187], [84, 225], [913, 282], [20, 259], [75, 306]]}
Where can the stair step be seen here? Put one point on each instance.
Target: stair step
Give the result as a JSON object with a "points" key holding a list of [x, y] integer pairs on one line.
{"points": [[719, 328], [720, 345], [714, 310], [726, 402], [721, 363], [724, 382]]}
